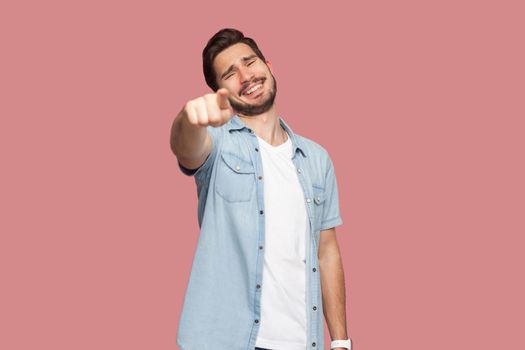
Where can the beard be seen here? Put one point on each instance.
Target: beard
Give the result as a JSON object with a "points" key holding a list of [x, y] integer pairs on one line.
{"points": [[259, 108]]}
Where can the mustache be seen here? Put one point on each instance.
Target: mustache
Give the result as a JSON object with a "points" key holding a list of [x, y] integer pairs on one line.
{"points": [[245, 85]]}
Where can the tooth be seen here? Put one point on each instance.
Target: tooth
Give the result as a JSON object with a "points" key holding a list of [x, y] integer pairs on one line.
{"points": [[256, 87]]}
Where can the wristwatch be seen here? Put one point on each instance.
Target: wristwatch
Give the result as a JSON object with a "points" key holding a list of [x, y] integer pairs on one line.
{"points": [[347, 344]]}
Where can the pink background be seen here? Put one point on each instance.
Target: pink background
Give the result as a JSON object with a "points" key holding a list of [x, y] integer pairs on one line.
{"points": [[420, 104]]}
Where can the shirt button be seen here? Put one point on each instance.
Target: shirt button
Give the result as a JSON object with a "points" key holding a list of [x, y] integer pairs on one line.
{"points": [[314, 269], [260, 247], [260, 177], [299, 170], [256, 149], [261, 212], [308, 200], [237, 167], [258, 286], [313, 344], [256, 321], [315, 308]]}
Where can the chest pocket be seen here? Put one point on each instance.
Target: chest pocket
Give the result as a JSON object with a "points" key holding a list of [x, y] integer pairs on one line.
{"points": [[235, 180], [319, 201]]}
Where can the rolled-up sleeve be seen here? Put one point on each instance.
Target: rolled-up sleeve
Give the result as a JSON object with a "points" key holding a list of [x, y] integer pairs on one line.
{"points": [[331, 213]]}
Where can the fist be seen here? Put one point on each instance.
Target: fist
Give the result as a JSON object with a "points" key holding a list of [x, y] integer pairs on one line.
{"points": [[210, 109]]}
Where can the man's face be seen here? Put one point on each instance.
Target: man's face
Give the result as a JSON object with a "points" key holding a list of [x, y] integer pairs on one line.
{"points": [[249, 80]]}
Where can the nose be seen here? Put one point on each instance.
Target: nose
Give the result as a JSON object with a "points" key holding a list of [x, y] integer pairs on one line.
{"points": [[245, 74]]}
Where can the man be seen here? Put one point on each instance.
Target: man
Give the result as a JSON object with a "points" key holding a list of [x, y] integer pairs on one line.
{"points": [[267, 264]]}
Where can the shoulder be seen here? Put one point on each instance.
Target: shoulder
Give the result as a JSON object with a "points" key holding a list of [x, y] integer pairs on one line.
{"points": [[316, 161], [313, 150]]}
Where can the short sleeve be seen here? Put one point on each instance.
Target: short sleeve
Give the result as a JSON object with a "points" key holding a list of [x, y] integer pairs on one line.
{"points": [[331, 213], [202, 173]]}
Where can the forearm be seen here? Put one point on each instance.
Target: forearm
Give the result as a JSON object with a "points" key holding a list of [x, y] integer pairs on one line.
{"points": [[333, 291], [188, 142]]}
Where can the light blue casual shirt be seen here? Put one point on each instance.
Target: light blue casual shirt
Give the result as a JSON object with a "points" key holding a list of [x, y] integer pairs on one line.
{"points": [[222, 303]]}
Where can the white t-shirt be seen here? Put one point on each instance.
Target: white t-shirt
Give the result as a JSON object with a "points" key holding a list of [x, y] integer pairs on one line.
{"points": [[283, 294]]}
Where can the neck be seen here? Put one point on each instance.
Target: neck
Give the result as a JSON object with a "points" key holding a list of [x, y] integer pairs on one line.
{"points": [[266, 126]]}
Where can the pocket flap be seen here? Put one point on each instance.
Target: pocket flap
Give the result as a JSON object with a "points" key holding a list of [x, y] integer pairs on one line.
{"points": [[237, 164]]}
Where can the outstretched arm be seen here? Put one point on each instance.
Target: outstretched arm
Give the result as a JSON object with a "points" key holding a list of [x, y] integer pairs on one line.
{"points": [[189, 139]]}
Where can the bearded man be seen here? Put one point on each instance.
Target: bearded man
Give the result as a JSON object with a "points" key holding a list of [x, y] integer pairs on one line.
{"points": [[267, 266]]}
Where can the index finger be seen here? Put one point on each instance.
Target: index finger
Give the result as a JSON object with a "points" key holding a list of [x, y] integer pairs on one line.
{"points": [[222, 99]]}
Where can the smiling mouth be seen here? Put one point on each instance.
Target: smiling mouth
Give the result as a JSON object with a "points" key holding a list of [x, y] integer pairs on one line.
{"points": [[253, 88]]}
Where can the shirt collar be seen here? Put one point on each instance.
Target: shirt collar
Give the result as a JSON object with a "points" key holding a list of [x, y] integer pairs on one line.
{"points": [[236, 123]]}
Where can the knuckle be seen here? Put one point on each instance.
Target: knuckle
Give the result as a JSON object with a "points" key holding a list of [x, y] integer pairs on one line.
{"points": [[210, 99], [212, 116], [202, 122], [200, 101]]}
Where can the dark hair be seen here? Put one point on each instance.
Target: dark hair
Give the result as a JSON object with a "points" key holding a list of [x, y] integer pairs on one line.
{"points": [[223, 39]]}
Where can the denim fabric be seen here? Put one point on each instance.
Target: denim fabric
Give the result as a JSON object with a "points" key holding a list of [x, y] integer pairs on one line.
{"points": [[221, 309]]}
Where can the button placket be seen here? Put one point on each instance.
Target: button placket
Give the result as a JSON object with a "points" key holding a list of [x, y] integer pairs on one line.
{"points": [[309, 208], [259, 176]]}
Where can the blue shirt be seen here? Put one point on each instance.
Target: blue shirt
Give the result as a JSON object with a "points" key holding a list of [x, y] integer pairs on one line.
{"points": [[222, 306]]}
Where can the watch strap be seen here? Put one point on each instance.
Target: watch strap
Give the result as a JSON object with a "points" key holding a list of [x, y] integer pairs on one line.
{"points": [[341, 344]]}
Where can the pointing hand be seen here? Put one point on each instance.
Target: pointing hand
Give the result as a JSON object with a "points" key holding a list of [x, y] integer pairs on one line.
{"points": [[211, 109]]}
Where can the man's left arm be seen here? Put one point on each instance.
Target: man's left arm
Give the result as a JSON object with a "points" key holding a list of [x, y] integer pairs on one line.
{"points": [[332, 285]]}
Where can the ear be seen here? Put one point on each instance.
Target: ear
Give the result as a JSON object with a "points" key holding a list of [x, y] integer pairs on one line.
{"points": [[269, 64]]}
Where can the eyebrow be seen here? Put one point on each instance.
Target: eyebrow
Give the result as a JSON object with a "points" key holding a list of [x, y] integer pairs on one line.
{"points": [[229, 70]]}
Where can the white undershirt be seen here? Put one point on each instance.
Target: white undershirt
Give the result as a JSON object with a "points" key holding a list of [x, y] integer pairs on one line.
{"points": [[283, 296]]}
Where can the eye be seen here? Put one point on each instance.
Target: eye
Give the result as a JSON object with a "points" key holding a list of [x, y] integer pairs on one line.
{"points": [[251, 62], [228, 76]]}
